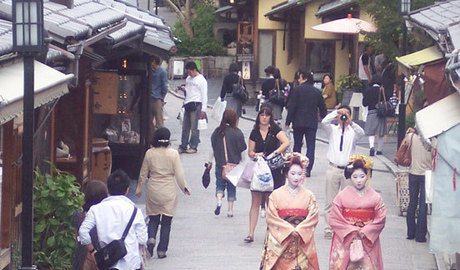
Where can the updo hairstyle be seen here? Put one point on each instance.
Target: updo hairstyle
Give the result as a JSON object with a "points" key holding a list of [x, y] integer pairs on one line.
{"points": [[356, 165]]}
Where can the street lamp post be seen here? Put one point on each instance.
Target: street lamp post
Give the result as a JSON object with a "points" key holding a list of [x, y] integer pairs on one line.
{"points": [[405, 9], [28, 41]]}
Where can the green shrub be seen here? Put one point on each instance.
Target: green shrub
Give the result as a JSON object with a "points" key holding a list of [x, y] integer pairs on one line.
{"points": [[56, 198], [203, 42], [349, 82]]}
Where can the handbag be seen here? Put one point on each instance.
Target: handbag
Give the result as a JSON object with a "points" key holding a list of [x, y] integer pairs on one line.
{"points": [[109, 255], [228, 166], [384, 108], [206, 178], [356, 250], [239, 91], [403, 155], [275, 161], [276, 95]]}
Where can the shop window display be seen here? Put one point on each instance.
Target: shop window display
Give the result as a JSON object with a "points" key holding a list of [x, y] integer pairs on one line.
{"points": [[117, 115]]}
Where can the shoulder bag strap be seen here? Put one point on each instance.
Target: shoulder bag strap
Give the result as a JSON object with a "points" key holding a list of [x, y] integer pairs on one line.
{"points": [[125, 233], [277, 84], [383, 94], [225, 150]]}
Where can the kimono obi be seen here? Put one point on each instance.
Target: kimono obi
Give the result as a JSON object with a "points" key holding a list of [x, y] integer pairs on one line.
{"points": [[358, 217], [293, 215]]}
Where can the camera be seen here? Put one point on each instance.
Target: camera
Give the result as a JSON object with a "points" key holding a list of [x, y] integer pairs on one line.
{"points": [[343, 117]]}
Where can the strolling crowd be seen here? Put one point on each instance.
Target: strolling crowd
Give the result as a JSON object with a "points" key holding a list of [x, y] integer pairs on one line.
{"points": [[354, 211]]}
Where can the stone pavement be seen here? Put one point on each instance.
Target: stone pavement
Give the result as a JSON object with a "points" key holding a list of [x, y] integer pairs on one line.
{"points": [[201, 240]]}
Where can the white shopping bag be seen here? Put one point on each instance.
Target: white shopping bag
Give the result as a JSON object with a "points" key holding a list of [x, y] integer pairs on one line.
{"points": [[218, 109], [202, 124], [234, 175], [429, 189], [180, 117], [262, 179]]}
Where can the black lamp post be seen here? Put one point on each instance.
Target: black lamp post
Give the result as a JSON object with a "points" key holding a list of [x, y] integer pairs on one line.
{"points": [[405, 9], [28, 41]]}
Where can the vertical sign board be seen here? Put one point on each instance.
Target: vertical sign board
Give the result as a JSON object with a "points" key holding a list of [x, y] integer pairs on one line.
{"points": [[178, 68], [246, 68]]}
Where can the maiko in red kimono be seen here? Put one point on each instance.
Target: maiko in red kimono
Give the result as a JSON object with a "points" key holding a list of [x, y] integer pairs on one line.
{"points": [[352, 215], [290, 213]]}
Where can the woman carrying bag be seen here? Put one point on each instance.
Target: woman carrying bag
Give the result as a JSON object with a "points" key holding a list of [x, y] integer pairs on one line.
{"points": [[269, 141], [227, 144], [375, 127], [226, 92]]}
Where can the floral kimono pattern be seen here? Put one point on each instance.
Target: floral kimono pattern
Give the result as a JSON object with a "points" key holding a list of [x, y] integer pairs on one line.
{"points": [[288, 213]]}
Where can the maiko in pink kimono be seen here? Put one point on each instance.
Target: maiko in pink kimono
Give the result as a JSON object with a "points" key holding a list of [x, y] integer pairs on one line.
{"points": [[357, 218]]}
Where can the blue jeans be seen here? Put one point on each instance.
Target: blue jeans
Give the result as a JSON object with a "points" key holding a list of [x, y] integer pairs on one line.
{"points": [[190, 132], [221, 184], [417, 187], [310, 138]]}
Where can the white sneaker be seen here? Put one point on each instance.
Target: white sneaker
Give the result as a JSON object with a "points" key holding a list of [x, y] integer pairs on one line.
{"points": [[262, 213]]}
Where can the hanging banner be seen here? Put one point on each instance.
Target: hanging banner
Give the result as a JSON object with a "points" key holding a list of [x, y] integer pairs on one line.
{"points": [[246, 68]]}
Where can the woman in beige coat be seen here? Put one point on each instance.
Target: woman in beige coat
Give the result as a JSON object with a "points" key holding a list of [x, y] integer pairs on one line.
{"points": [[163, 170]]}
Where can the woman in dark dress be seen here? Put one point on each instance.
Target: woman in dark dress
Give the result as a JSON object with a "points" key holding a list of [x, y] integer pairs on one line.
{"points": [[227, 89], [265, 139], [375, 127]]}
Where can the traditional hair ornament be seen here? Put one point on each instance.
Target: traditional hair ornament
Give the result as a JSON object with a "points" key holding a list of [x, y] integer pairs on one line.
{"points": [[368, 163], [163, 141], [303, 159]]}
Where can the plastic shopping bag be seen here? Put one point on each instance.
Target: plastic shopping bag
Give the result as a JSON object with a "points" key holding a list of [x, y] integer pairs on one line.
{"points": [[262, 179], [234, 175], [218, 109], [429, 189], [248, 171], [202, 124]]}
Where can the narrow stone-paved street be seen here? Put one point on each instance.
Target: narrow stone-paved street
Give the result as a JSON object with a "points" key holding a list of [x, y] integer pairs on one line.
{"points": [[201, 240]]}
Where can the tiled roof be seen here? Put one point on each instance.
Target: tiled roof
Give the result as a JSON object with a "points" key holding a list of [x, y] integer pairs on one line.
{"points": [[6, 37], [6, 41], [440, 21], [158, 34], [89, 17]]}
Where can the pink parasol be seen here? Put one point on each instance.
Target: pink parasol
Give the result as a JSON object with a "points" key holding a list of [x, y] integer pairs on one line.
{"points": [[347, 25]]}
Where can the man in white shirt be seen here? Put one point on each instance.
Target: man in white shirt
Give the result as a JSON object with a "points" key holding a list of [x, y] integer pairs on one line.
{"points": [[365, 65], [196, 100], [110, 218], [342, 142]]}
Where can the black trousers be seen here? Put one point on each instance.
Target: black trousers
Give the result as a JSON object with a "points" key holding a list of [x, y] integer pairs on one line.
{"points": [[417, 228], [165, 222], [310, 138]]}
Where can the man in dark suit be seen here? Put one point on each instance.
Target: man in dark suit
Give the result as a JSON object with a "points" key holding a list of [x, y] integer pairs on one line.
{"points": [[305, 102]]}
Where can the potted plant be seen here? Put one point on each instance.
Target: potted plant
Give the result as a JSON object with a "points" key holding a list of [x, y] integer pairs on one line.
{"points": [[346, 86], [57, 197]]}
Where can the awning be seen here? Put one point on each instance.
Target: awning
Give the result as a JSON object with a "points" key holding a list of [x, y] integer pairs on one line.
{"points": [[413, 60], [333, 6], [49, 84], [278, 11], [224, 9], [447, 109]]}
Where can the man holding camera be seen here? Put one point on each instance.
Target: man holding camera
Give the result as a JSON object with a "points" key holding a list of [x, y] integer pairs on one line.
{"points": [[342, 141]]}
